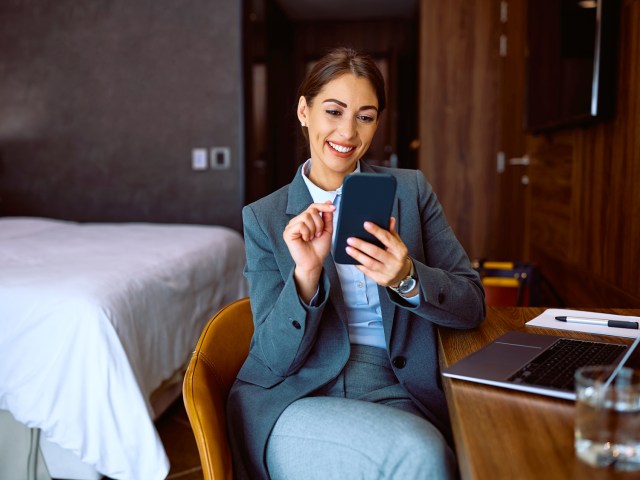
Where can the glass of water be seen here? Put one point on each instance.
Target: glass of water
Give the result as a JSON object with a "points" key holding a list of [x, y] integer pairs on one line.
{"points": [[607, 424]]}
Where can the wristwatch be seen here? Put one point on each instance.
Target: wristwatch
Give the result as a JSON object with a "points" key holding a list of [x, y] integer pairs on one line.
{"points": [[406, 284]]}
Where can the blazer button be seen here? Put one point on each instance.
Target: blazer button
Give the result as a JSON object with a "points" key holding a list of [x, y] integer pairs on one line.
{"points": [[296, 325], [399, 362]]}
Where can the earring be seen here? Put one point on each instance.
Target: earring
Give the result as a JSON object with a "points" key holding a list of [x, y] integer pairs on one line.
{"points": [[302, 124]]}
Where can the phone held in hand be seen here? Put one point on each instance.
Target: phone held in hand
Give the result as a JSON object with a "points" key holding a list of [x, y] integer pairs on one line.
{"points": [[365, 197]]}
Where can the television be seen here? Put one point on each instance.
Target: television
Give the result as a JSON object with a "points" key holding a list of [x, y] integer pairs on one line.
{"points": [[571, 62]]}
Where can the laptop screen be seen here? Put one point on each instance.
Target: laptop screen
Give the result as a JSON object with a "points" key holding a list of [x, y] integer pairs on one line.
{"points": [[631, 359]]}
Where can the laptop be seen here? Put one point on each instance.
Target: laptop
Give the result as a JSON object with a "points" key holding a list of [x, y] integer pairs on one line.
{"points": [[542, 364]]}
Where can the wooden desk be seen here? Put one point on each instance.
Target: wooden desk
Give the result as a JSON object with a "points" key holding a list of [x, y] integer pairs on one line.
{"points": [[506, 434]]}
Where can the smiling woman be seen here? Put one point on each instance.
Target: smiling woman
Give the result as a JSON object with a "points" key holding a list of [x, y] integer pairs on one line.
{"points": [[325, 377]]}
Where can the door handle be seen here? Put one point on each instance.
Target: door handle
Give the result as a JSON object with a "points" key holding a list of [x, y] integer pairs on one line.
{"points": [[524, 160]]}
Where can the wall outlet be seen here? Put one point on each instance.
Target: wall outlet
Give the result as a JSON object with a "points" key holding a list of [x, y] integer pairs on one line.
{"points": [[199, 159], [220, 157]]}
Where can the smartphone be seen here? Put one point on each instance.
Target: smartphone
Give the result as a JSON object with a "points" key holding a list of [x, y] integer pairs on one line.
{"points": [[365, 197]]}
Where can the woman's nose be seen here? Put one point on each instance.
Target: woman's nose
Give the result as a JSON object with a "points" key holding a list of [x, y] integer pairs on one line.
{"points": [[347, 128]]}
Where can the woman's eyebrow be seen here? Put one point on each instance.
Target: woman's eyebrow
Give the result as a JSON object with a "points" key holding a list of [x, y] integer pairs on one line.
{"points": [[344, 105], [333, 100]]}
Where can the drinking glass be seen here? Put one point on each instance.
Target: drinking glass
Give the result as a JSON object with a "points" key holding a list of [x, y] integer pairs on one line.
{"points": [[607, 423]]}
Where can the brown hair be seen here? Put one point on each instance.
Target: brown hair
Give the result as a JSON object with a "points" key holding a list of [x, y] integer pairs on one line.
{"points": [[338, 62]]}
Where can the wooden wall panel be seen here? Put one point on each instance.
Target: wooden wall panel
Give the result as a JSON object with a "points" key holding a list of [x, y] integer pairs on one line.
{"points": [[550, 176], [581, 208], [458, 114], [585, 232]]}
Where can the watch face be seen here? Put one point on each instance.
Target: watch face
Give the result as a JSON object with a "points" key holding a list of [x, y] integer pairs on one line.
{"points": [[406, 285]]}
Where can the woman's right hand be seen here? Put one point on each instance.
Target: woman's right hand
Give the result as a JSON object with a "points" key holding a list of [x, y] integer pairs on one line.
{"points": [[308, 237]]}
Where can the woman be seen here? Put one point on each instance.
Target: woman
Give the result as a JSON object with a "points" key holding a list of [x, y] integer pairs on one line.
{"points": [[342, 378]]}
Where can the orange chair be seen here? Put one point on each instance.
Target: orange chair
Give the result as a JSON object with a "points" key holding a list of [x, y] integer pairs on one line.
{"points": [[221, 350], [508, 284], [505, 292]]}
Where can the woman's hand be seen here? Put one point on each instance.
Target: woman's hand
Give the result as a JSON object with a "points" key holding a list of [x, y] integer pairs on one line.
{"points": [[308, 237], [386, 266]]}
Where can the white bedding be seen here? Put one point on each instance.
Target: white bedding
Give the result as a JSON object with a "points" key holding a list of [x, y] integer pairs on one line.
{"points": [[94, 317]]}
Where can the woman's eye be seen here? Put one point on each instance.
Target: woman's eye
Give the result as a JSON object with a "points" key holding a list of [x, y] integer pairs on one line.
{"points": [[366, 118], [333, 113]]}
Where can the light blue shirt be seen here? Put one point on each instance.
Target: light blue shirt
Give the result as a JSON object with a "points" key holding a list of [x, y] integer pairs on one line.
{"points": [[360, 292]]}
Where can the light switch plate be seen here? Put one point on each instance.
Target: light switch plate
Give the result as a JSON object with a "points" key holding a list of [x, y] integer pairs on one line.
{"points": [[199, 159], [220, 157]]}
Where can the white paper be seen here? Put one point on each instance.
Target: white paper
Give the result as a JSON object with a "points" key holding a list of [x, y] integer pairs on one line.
{"points": [[547, 319]]}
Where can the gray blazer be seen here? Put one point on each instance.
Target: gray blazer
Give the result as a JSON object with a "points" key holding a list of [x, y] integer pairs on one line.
{"points": [[296, 349]]}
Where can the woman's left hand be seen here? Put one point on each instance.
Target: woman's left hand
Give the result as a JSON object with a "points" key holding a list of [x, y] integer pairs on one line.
{"points": [[386, 266]]}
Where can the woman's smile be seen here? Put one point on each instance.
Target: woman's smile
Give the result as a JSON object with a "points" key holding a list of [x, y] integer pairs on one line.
{"points": [[341, 150]]}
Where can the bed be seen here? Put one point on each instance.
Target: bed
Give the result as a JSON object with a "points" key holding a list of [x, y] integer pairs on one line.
{"points": [[97, 323]]}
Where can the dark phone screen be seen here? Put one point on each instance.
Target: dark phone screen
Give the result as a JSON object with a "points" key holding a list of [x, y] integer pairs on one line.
{"points": [[365, 197]]}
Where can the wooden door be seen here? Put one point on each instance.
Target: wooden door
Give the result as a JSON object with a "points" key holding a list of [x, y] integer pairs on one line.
{"points": [[512, 161]]}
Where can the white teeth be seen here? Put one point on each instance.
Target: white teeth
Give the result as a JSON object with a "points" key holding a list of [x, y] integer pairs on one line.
{"points": [[340, 148]]}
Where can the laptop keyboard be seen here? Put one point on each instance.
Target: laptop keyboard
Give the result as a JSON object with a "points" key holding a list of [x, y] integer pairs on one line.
{"points": [[556, 366]]}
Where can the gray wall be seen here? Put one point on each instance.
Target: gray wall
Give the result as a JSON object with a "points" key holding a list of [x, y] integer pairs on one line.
{"points": [[102, 102]]}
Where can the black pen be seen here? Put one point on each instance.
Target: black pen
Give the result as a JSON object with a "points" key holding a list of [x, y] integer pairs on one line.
{"points": [[602, 322]]}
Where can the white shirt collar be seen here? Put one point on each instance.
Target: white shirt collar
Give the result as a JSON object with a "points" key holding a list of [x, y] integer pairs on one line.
{"points": [[317, 194]]}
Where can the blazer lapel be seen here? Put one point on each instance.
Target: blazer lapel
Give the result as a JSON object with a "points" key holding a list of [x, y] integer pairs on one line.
{"points": [[298, 196], [387, 307], [298, 199]]}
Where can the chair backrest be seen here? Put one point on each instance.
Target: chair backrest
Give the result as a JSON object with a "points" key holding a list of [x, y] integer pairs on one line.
{"points": [[221, 350], [509, 284]]}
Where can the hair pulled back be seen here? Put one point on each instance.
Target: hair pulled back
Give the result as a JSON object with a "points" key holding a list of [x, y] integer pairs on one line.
{"points": [[337, 62]]}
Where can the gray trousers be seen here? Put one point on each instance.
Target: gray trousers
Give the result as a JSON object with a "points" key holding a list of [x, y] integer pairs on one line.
{"points": [[361, 426]]}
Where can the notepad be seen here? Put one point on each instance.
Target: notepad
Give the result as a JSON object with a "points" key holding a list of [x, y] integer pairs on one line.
{"points": [[547, 319]]}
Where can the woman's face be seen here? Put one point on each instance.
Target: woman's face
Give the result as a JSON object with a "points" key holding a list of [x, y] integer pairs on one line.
{"points": [[341, 124]]}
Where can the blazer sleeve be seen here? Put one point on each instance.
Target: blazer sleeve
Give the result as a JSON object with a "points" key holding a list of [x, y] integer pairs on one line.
{"points": [[451, 292], [284, 327]]}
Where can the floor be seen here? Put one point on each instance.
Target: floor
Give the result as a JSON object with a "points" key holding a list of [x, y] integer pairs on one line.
{"points": [[179, 443]]}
